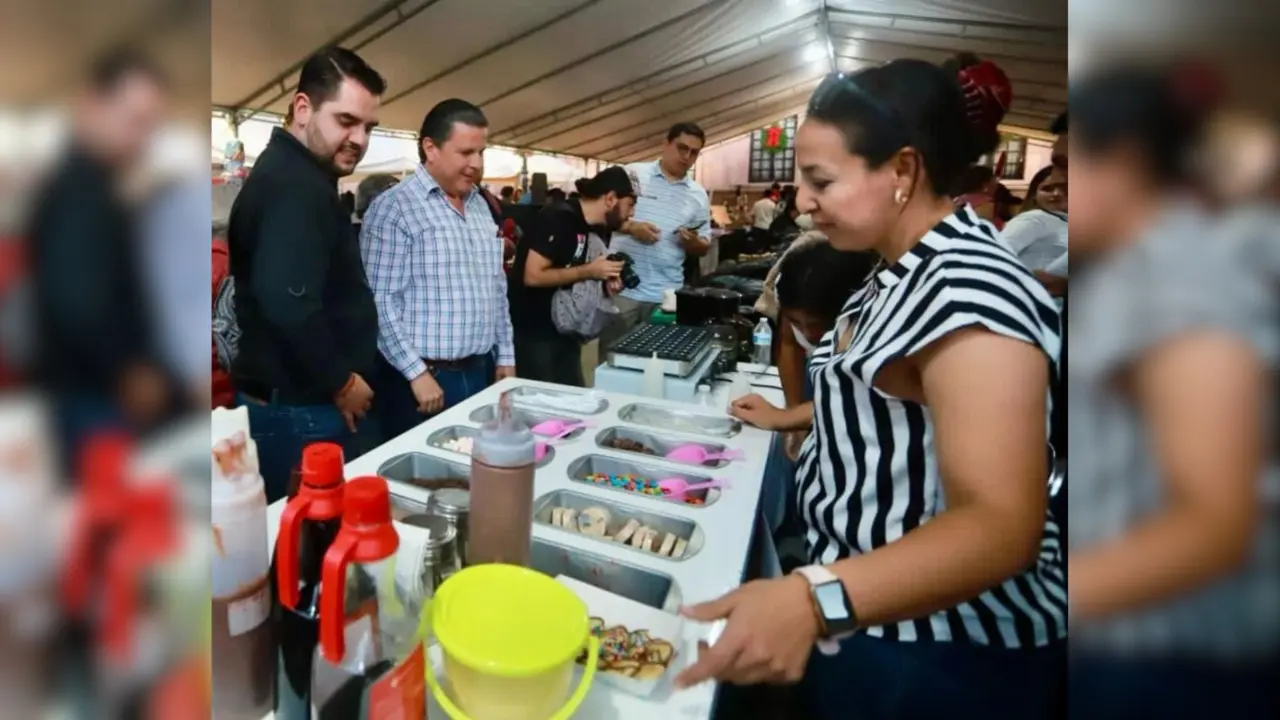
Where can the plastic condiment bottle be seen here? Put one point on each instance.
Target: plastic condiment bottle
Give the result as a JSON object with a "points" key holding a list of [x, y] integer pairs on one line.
{"points": [[654, 378], [501, 515], [308, 527], [370, 664], [243, 650]]}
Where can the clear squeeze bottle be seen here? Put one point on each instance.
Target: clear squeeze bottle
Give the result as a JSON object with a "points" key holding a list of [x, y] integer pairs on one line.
{"points": [[243, 652], [308, 526], [370, 664], [501, 516]]}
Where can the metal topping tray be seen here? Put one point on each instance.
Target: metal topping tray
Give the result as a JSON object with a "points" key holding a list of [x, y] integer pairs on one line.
{"points": [[530, 396], [660, 445], [528, 417], [686, 530], [582, 468], [679, 421], [616, 576], [425, 471], [438, 439]]}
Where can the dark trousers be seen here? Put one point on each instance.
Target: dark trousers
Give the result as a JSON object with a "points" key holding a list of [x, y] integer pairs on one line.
{"points": [[395, 407], [282, 431], [1171, 689], [550, 359], [875, 679]]}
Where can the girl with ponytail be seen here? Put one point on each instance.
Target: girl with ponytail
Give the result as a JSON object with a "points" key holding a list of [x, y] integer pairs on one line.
{"points": [[922, 488]]}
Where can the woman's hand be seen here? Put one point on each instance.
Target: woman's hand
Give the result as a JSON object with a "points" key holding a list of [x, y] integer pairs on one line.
{"points": [[755, 410], [770, 633]]}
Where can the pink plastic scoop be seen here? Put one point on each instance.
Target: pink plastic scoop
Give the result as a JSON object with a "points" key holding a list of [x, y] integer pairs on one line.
{"points": [[675, 488], [698, 455], [556, 429], [540, 450]]}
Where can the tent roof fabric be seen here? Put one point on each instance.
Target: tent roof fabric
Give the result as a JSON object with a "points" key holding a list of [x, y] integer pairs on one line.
{"points": [[606, 78]]}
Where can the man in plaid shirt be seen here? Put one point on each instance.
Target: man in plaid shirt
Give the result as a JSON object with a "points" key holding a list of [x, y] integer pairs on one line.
{"points": [[434, 258]]}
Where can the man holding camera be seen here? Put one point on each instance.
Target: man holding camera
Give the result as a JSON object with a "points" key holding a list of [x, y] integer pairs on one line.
{"points": [[557, 254]]}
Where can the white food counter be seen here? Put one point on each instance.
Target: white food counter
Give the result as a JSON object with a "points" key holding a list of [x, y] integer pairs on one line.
{"points": [[714, 562]]}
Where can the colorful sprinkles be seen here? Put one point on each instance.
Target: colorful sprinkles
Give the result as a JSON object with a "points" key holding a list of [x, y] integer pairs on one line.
{"points": [[635, 484]]}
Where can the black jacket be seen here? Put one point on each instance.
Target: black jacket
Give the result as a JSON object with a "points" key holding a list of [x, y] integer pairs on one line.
{"points": [[304, 307], [90, 294]]}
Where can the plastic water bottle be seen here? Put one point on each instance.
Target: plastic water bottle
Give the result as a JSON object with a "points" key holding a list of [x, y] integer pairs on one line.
{"points": [[762, 341], [654, 378], [704, 397]]}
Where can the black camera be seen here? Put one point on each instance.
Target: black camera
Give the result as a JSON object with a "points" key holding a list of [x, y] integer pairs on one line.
{"points": [[630, 280]]}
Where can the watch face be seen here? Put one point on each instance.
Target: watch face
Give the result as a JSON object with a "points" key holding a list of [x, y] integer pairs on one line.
{"points": [[835, 607]]}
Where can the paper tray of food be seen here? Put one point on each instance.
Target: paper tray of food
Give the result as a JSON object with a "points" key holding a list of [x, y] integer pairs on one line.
{"points": [[638, 644]]}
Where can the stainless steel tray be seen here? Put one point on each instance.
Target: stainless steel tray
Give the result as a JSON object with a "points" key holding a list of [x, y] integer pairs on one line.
{"points": [[586, 465], [686, 530], [528, 417], [660, 444], [402, 507], [616, 576], [522, 394], [415, 468], [679, 421], [443, 435]]}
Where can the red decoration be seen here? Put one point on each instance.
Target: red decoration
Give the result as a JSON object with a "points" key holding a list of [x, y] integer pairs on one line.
{"points": [[774, 139]]}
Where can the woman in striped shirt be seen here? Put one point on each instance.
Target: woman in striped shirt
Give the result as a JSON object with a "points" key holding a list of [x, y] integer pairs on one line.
{"points": [[923, 486]]}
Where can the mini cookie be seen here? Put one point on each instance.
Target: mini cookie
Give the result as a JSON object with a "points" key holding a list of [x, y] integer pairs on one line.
{"points": [[668, 543], [593, 521], [557, 517], [678, 550], [570, 518], [627, 531], [637, 540]]}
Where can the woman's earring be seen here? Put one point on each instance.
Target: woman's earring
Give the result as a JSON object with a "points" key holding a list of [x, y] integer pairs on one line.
{"points": [[899, 196]]}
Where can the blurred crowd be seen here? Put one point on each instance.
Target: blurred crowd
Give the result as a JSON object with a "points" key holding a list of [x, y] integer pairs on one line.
{"points": [[104, 363]]}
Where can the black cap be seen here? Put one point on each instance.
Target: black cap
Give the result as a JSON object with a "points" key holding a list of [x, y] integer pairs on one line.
{"points": [[614, 179]]}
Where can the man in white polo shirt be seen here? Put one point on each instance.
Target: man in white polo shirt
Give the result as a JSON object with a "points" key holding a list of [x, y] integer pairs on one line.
{"points": [[672, 220]]}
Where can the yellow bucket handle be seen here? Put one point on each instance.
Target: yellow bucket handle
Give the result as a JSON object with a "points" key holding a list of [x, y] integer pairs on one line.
{"points": [[565, 712]]}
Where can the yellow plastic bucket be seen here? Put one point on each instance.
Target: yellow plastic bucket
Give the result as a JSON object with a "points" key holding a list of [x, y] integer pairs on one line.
{"points": [[510, 637]]}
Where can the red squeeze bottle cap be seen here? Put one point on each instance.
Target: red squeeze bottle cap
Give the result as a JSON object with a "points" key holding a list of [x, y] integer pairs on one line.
{"points": [[149, 537], [102, 464], [322, 465], [367, 536], [319, 498]]}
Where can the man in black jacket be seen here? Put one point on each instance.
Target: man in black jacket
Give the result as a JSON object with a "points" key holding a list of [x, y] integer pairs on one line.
{"points": [[308, 324], [97, 355]]}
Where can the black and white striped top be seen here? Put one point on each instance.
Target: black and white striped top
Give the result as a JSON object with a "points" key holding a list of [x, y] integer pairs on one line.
{"points": [[868, 473]]}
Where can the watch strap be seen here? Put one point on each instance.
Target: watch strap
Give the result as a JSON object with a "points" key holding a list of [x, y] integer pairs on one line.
{"points": [[817, 575]]}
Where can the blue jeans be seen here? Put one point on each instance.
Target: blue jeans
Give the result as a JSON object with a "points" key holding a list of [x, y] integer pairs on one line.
{"points": [[396, 408], [77, 419], [282, 431], [875, 679]]}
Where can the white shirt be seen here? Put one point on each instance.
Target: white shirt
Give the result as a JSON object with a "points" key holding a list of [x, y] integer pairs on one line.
{"points": [[1037, 237], [671, 205], [763, 213]]}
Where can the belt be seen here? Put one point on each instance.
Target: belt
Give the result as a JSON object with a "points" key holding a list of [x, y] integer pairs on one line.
{"points": [[465, 363], [264, 394]]}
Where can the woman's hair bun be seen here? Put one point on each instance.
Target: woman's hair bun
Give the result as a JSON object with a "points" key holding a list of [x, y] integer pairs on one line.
{"points": [[987, 94]]}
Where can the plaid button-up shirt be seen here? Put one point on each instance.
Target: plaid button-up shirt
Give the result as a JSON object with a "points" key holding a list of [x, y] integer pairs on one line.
{"points": [[436, 275]]}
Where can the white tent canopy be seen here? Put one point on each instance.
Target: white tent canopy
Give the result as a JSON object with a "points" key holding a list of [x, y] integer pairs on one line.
{"points": [[605, 78]]}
